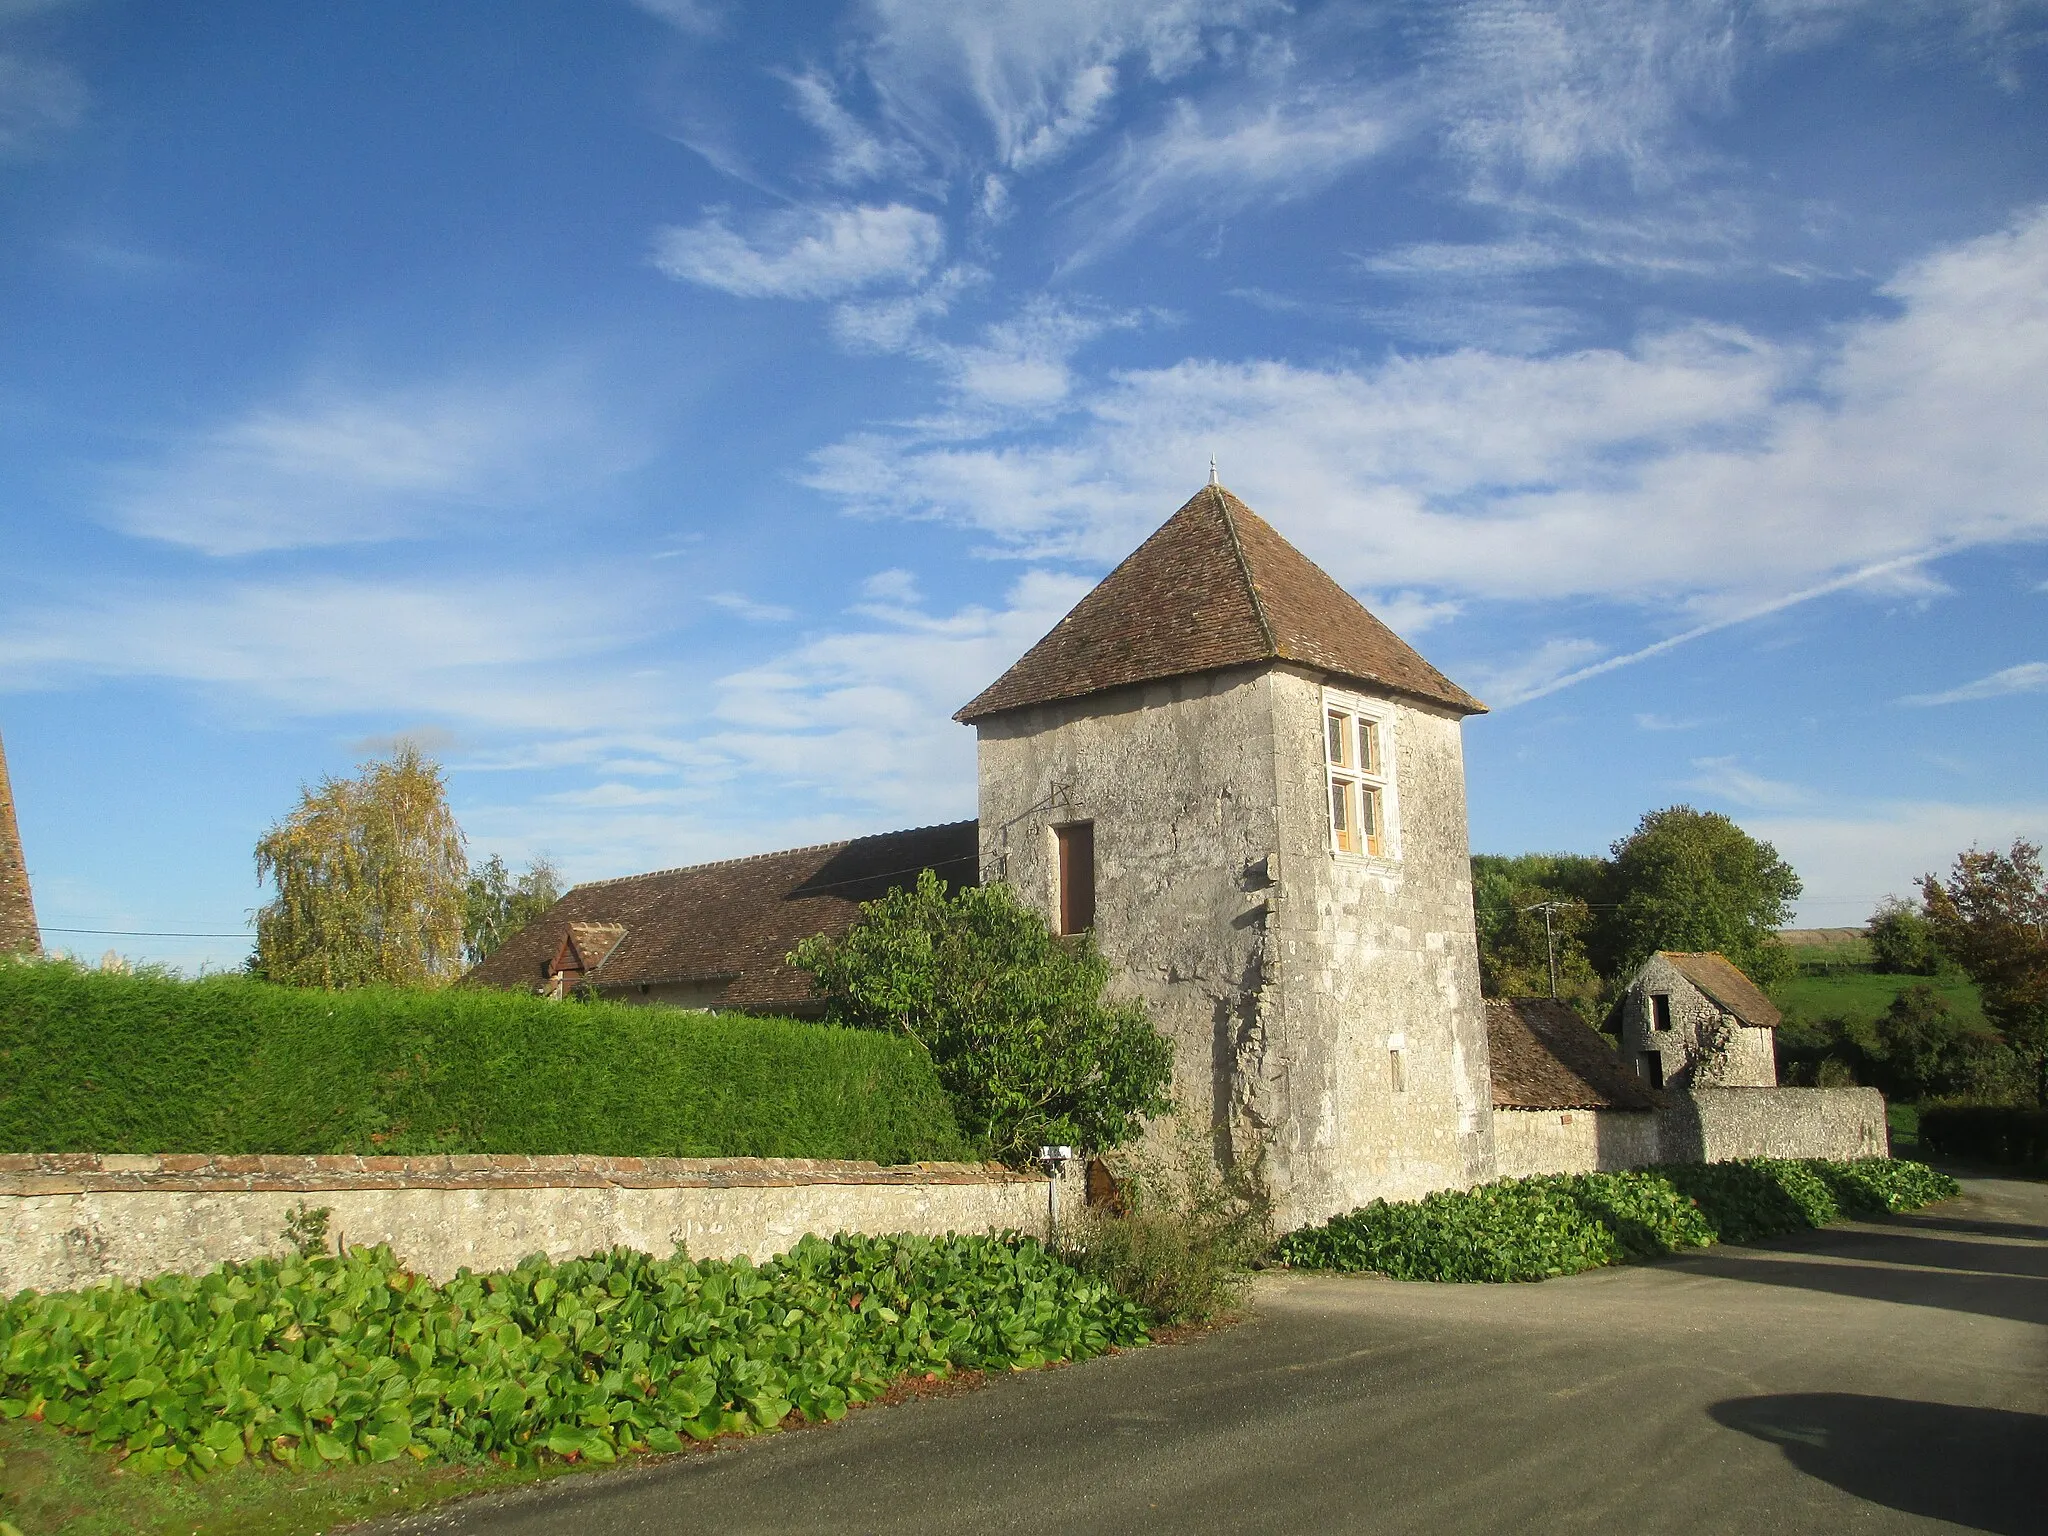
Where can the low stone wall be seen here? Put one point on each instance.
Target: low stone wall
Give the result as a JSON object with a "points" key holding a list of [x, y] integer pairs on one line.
{"points": [[1713, 1125], [1527, 1141], [1706, 1125], [69, 1219]]}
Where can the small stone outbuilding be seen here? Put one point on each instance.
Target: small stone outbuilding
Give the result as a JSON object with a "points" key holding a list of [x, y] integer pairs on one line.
{"points": [[1695, 1021], [1563, 1102]]}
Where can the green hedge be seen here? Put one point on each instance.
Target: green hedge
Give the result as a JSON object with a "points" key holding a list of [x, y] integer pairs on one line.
{"points": [[1559, 1224], [331, 1360], [1986, 1133], [103, 1063]]}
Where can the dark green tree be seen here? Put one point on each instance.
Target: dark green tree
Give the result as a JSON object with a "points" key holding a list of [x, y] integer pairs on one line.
{"points": [[1693, 880], [1901, 942], [1013, 1016], [1991, 917], [496, 905]]}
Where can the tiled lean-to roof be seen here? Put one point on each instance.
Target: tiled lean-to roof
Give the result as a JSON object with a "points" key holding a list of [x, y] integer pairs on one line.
{"points": [[1723, 982], [1215, 587], [1544, 1056], [728, 926]]}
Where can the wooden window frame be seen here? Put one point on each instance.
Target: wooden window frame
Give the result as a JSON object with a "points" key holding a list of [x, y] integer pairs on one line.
{"points": [[1357, 737], [1073, 897], [1660, 1012]]}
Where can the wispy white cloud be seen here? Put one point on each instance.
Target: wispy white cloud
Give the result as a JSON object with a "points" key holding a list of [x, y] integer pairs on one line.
{"points": [[856, 152], [695, 18], [1409, 614], [336, 465], [863, 714], [1038, 77], [808, 253], [1206, 166], [1851, 859], [1503, 684], [1726, 779], [40, 100], [753, 612], [1538, 88], [1703, 471], [1652, 721], [504, 653], [2027, 677]]}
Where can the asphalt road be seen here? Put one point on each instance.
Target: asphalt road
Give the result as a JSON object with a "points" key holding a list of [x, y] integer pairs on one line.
{"points": [[1868, 1378]]}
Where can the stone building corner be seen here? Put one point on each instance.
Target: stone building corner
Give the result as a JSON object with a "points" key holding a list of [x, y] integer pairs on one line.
{"points": [[18, 933]]}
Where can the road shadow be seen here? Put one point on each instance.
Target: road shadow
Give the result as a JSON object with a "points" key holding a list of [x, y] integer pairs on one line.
{"points": [[1972, 1226], [1982, 1468], [2020, 1298]]}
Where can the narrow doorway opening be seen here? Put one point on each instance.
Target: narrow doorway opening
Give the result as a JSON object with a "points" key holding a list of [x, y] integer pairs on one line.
{"points": [[1077, 876]]}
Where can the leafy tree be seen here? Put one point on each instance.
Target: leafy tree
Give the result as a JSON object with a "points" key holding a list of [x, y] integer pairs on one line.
{"points": [[1694, 880], [1013, 1017], [1901, 942], [1991, 917], [495, 905], [1920, 1044], [1515, 947], [1509, 895], [369, 874]]}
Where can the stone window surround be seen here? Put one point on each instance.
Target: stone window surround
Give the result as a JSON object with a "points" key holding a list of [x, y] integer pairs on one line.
{"points": [[1381, 714]]}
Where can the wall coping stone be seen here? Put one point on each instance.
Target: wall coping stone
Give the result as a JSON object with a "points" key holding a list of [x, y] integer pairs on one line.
{"points": [[73, 1173]]}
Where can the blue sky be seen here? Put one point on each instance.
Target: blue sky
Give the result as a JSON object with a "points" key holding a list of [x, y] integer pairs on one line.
{"points": [[669, 413]]}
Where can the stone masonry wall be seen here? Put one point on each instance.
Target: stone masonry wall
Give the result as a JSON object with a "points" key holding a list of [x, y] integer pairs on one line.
{"points": [[1747, 1057], [1378, 955], [1177, 777], [1529, 1141], [1279, 972], [18, 933], [1713, 1125], [68, 1220], [1707, 1125]]}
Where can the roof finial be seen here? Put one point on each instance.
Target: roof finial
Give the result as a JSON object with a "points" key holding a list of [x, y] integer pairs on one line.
{"points": [[1212, 471]]}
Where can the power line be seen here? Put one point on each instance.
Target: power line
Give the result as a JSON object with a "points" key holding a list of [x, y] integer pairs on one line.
{"points": [[134, 933]]}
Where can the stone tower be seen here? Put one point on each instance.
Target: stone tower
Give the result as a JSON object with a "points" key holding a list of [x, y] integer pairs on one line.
{"points": [[1254, 793], [17, 911]]}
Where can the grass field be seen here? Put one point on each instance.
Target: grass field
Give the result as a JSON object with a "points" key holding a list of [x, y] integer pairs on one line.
{"points": [[1835, 981], [54, 1484]]}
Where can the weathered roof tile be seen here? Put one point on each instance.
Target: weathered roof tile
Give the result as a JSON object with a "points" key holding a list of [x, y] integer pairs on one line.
{"points": [[729, 926], [1544, 1056], [1723, 982], [1214, 587]]}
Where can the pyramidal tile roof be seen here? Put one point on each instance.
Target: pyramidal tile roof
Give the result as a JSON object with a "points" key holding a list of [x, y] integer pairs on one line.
{"points": [[1214, 587]]}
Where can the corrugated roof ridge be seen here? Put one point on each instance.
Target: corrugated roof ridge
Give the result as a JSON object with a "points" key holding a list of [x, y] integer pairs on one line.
{"points": [[779, 853], [1222, 498]]}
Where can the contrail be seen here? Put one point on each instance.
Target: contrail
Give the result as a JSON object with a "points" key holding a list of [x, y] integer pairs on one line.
{"points": [[1775, 605]]}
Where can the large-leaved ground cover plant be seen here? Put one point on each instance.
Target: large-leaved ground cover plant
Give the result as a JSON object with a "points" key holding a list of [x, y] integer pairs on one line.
{"points": [[1561, 1223], [354, 1359], [92, 1062]]}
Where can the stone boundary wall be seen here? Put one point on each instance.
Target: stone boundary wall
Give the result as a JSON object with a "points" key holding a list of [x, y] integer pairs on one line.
{"points": [[1715, 1125], [1706, 1125], [67, 1219], [1528, 1141]]}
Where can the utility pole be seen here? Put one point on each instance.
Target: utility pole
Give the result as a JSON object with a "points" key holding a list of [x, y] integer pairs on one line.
{"points": [[1549, 938]]}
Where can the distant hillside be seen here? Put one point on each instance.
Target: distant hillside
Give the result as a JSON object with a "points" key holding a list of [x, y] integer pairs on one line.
{"points": [[1836, 981], [1819, 938]]}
